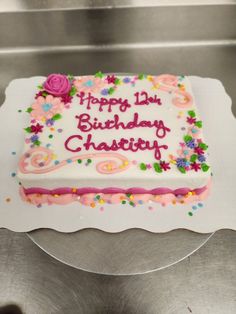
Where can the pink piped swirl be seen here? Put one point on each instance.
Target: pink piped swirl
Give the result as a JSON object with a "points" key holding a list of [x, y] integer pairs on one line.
{"points": [[169, 83], [166, 82], [57, 84], [39, 160]]}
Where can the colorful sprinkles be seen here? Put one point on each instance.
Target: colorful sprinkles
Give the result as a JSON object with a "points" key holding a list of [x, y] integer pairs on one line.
{"points": [[194, 208]]}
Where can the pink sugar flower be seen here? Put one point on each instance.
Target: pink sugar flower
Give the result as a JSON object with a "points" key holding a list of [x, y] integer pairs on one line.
{"points": [[111, 79], [199, 150], [191, 120], [88, 84], [57, 84], [36, 128], [185, 152], [194, 131], [195, 166], [165, 165], [46, 107]]}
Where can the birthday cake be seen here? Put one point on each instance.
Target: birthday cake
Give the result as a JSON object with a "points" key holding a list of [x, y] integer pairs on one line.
{"points": [[113, 139]]}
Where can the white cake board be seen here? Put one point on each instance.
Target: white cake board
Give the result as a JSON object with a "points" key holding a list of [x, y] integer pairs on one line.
{"points": [[217, 212]]}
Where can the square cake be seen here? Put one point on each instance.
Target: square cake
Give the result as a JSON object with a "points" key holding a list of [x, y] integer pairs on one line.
{"points": [[113, 139]]}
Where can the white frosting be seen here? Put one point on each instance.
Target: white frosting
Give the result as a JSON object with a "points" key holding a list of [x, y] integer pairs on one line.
{"points": [[80, 175]]}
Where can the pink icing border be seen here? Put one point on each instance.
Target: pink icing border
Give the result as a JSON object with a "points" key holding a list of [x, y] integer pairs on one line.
{"points": [[116, 198], [81, 191]]}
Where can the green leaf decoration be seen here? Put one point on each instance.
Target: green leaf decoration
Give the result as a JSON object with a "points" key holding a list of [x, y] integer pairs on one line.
{"points": [[29, 110], [73, 91], [28, 130], [143, 166], [187, 138], [192, 114], [141, 76], [203, 146], [40, 86], [111, 90], [193, 158], [57, 117], [99, 74], [128, 194], [198, 124], [205, 167], [157, 167], [70, 77], [44, 94], [182, 169], [117, 81], [37, 143]]}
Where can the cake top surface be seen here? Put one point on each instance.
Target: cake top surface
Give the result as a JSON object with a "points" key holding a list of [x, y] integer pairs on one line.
{"points": [[114, 126]]}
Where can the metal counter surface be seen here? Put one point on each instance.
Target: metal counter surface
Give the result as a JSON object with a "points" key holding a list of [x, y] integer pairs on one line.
{"points": [[201, 284]]}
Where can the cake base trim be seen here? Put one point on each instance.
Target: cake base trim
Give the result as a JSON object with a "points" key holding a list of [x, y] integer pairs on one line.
{"points": [[93, 198], [112, 190]]}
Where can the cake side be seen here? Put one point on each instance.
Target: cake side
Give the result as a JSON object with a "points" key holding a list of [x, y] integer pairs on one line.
{"points": [[113, 135]]}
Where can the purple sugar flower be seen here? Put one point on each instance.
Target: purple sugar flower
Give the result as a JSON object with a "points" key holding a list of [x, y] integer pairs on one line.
{"points": [[201, 158], [191, 144], [34, 138], [180, 162], [104, 92], [126, 80], [49, 122]]}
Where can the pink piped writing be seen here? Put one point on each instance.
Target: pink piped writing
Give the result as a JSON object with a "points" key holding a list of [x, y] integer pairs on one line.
{"points": [[143, 99], [89, 100], [87, 124], [73, 144]]}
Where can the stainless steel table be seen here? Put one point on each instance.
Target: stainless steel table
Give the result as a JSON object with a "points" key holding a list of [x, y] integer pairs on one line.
{"points": [[201, 284], [192, 40]]}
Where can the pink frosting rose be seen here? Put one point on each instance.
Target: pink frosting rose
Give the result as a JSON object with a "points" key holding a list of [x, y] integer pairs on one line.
{"points": [[57, 84]]}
